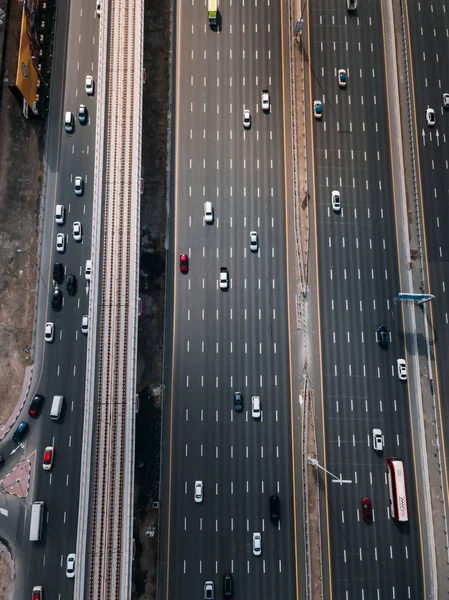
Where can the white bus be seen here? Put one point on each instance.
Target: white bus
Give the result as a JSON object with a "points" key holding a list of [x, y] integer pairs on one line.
{"points": [[37, 516], [396, 486]]}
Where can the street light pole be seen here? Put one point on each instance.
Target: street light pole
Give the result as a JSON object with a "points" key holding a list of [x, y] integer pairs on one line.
{"points": [[335, 479]]}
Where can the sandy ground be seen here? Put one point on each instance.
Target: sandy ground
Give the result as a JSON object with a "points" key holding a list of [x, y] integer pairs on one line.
{"points": [[20, 186], [6, 573]]}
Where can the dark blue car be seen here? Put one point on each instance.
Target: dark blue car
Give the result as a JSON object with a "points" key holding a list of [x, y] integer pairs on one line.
{"points": [[20, 432]]}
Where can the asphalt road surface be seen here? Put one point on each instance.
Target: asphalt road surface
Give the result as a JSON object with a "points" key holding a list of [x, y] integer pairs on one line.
{"points": [[430, 64], [358, 280], [234, 340]]}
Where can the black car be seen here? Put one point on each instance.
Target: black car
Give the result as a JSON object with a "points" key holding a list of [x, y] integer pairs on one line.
{"points": [[20, 432], [58, 272], [228, 588], [71, 285], [238, 402], [56, 299], [382, 336], [275, 509], [35, 405]]}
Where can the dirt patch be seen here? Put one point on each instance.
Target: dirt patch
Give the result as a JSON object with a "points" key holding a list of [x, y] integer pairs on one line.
{"points": [[20, 194], [6, 573], [152, 293]]}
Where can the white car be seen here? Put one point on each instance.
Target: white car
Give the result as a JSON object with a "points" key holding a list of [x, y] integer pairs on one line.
{"points": [[60, 214], [88, 270], [85, 325], [77, 231], [265, 97], [342, 77], [224, 278], [60, 242], [430, 117], [253, 241], [198, 495], [255, 407], [378, 440], [246, 118], [209, 590], [446, 100], [317, 109], [89, 85], [208, 212], [49, 332], [70, 568], [336, 204], [98, 9], [257, 544], [402, 369], [79, 186]]}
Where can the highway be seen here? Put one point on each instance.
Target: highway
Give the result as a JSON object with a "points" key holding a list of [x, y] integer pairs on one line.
{"points": [[430, 63], [358, 279], [234, 340], [63, 369]]}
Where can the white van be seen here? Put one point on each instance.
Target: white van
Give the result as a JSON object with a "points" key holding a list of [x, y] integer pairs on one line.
{"points": [[60, 214], [255, 412], [69, 122], [56, 407]]}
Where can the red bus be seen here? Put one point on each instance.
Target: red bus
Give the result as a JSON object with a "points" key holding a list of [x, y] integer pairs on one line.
{"points": [[396, 487]]}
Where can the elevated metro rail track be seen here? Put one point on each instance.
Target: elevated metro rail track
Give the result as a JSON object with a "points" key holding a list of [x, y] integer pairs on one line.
{"points": [[106, 521]]}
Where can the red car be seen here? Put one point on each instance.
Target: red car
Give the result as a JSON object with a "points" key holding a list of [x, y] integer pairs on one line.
{"points": [[367, 510], [48, 458], [37, 592], [184, 263]]}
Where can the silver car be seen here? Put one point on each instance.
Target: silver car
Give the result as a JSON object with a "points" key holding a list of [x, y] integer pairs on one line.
{"points": [[378, 440], [402, 369], [257, 544], [198, 491], [209, 590], [77, 231], [60, 242], [79, 186], [49, 332], [70, 568], [208, 212], [85, 324], [336, 204], [253, 241], [246, 118], [89, 85]]}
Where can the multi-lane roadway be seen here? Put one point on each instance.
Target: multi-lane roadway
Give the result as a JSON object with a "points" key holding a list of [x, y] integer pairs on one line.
{"points": [[63, 361], [359, 277], [430, 67], [234, 340]]}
